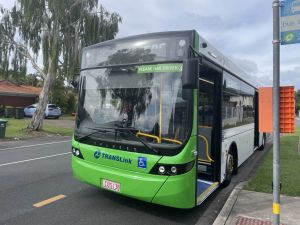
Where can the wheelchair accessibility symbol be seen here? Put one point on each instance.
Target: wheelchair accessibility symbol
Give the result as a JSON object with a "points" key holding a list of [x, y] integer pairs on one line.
{"points": [[142, 162]]}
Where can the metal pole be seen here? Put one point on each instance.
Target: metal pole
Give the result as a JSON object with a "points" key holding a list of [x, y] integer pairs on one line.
{"points": [[276, 122]]}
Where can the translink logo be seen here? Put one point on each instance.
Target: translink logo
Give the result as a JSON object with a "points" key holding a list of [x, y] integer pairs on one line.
{"points": [[98, 154]]}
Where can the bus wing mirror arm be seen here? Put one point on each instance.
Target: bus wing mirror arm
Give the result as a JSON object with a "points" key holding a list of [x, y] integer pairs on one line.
{"points": [[190, 73], [75, 82]]}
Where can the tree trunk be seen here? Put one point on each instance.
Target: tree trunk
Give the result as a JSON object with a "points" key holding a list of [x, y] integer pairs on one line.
{"points": [[36, 122]]}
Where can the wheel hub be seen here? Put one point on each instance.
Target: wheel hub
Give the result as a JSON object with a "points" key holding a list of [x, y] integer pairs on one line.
{"points": [[230, 163]]}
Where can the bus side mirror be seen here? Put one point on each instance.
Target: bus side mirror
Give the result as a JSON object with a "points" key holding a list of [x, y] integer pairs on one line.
{"points": [[75, 83], [190, 72]]}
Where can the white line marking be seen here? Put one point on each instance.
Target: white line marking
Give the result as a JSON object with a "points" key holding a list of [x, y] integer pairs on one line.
{"points": [[28, 146], [27, 160]]}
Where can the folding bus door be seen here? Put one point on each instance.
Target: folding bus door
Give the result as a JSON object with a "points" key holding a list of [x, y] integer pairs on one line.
{"points": [[209, 140]]}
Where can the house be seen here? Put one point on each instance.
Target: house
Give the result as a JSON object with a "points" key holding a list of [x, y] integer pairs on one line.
{"points": [[12, 94]]}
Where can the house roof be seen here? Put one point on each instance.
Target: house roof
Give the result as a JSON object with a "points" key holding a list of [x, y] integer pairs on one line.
{"points": [[12, 89]]}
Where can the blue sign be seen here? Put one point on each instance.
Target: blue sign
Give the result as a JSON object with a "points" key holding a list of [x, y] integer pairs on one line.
{"points": [[97, 154], [290, 22], [142, 162]]}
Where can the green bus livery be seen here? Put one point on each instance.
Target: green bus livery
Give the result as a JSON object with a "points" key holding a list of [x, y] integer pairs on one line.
{"points": [[163, 118]]}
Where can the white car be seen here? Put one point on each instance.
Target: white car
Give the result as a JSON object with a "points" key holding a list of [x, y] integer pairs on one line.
{"points": [[50, 111]]}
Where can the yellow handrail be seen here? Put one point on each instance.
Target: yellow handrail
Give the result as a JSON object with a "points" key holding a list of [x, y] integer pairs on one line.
{"points": [[149, 135], [202, 126], [157, 138], [160, 110], [172, 140], [206, 150]]}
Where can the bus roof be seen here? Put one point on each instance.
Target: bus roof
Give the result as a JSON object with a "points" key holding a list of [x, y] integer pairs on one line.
{"points": [[186, 33], [217, 57]]}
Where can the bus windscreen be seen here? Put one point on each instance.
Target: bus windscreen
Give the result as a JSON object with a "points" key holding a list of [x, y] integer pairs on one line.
{"points": [[147, 98]]}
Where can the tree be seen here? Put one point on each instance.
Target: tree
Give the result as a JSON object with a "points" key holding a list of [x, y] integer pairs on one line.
{"points": [[12, 63], [297, 101], [59, 29]]}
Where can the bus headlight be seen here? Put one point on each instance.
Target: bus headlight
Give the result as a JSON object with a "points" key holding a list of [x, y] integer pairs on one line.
{"points": [[76, 152], [161, 169], [171, 170]]}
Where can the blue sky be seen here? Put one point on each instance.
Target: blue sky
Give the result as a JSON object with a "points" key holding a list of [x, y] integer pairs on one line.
{"points": [[241, 30]]}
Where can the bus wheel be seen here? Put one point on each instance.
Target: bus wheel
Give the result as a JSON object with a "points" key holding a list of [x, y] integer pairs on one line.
{"points": [[229, 168]]}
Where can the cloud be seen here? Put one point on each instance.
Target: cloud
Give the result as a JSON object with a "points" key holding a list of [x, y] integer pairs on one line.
{"points": [[291, 77], [241, 30]]}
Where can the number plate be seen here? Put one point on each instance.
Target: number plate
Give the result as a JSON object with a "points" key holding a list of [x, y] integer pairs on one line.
{"points": [[110, 185]]}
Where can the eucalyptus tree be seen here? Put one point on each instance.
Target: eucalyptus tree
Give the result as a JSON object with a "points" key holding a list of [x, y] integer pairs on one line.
{"points": [[12, 63], [59, 29]]}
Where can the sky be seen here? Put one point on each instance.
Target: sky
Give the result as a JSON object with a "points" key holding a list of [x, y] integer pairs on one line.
{"points": [[241, 30]]}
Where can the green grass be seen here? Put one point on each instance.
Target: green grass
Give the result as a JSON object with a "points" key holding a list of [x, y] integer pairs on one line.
{"points": [[290, 168], [16, 128], [68, 117]]}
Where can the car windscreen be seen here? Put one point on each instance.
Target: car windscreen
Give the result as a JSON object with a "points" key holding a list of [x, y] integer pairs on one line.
{"points": [[52, 106]]}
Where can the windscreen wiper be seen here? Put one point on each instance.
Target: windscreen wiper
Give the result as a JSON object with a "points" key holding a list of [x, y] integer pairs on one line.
{"points": [[131, 131], [128, 130], [95, 132]]}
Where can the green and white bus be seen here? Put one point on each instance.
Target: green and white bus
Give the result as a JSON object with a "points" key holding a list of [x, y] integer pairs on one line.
{"points": [[162, 117]]}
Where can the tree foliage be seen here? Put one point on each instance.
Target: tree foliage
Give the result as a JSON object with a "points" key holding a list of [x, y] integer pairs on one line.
{"points": [[297, 101], [12, 63], [59, 29]]}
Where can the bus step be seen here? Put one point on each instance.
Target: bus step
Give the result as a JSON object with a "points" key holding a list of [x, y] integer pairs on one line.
{"points": [[205, 189], [205, 162], [205, 176], [205, 172]]}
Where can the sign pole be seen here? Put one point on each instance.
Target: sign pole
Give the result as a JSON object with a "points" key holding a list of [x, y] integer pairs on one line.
{"points": [[276, 119]]}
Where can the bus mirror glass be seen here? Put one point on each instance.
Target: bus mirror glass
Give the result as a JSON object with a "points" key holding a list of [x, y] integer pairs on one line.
{"points": [[190, 71], [75, 83], [187, 94]]}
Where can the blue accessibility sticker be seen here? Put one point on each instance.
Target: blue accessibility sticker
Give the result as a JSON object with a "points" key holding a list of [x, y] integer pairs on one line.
{"points": [[142, 162]]}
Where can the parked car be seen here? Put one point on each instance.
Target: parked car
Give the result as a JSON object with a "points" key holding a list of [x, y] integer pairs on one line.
{"points": [[50, 111]]}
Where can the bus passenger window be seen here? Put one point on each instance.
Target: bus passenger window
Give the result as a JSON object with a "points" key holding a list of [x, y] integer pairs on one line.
{"points": [[206, 102]]}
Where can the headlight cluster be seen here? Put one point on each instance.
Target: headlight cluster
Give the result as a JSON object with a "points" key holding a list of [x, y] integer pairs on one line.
{"points": [[76, 152], [171, 170]]}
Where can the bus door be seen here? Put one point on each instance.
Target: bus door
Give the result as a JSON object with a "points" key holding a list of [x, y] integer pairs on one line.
{"points": [[209, 130], [256, 128]]}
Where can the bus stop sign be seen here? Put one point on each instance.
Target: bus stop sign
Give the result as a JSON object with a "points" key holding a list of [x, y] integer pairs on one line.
{"points": [[290, 22]]}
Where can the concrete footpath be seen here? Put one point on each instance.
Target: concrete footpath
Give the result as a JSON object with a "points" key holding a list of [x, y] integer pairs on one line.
{"points": [[254, 208]]}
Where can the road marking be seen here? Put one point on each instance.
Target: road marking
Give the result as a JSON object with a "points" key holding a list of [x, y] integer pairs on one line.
{"points": [[48, 201], [27, 160], [28, 146]]}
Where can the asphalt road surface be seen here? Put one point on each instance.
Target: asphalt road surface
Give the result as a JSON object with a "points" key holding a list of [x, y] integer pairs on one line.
{"points": [[297, 121], [34, 173]]}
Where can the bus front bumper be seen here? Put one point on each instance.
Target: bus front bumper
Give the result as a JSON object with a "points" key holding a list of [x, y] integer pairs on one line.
{"points": [[174, 191]]}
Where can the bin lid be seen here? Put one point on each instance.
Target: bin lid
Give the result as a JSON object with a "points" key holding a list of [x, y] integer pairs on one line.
{"points": [[3, 121]]}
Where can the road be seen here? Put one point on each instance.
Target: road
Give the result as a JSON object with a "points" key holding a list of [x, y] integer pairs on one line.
{"points": [[36, 170], [297, 121]]}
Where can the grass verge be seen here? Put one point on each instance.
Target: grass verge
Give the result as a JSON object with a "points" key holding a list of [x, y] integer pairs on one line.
{"points": [[290, 168], [16, 128]]}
